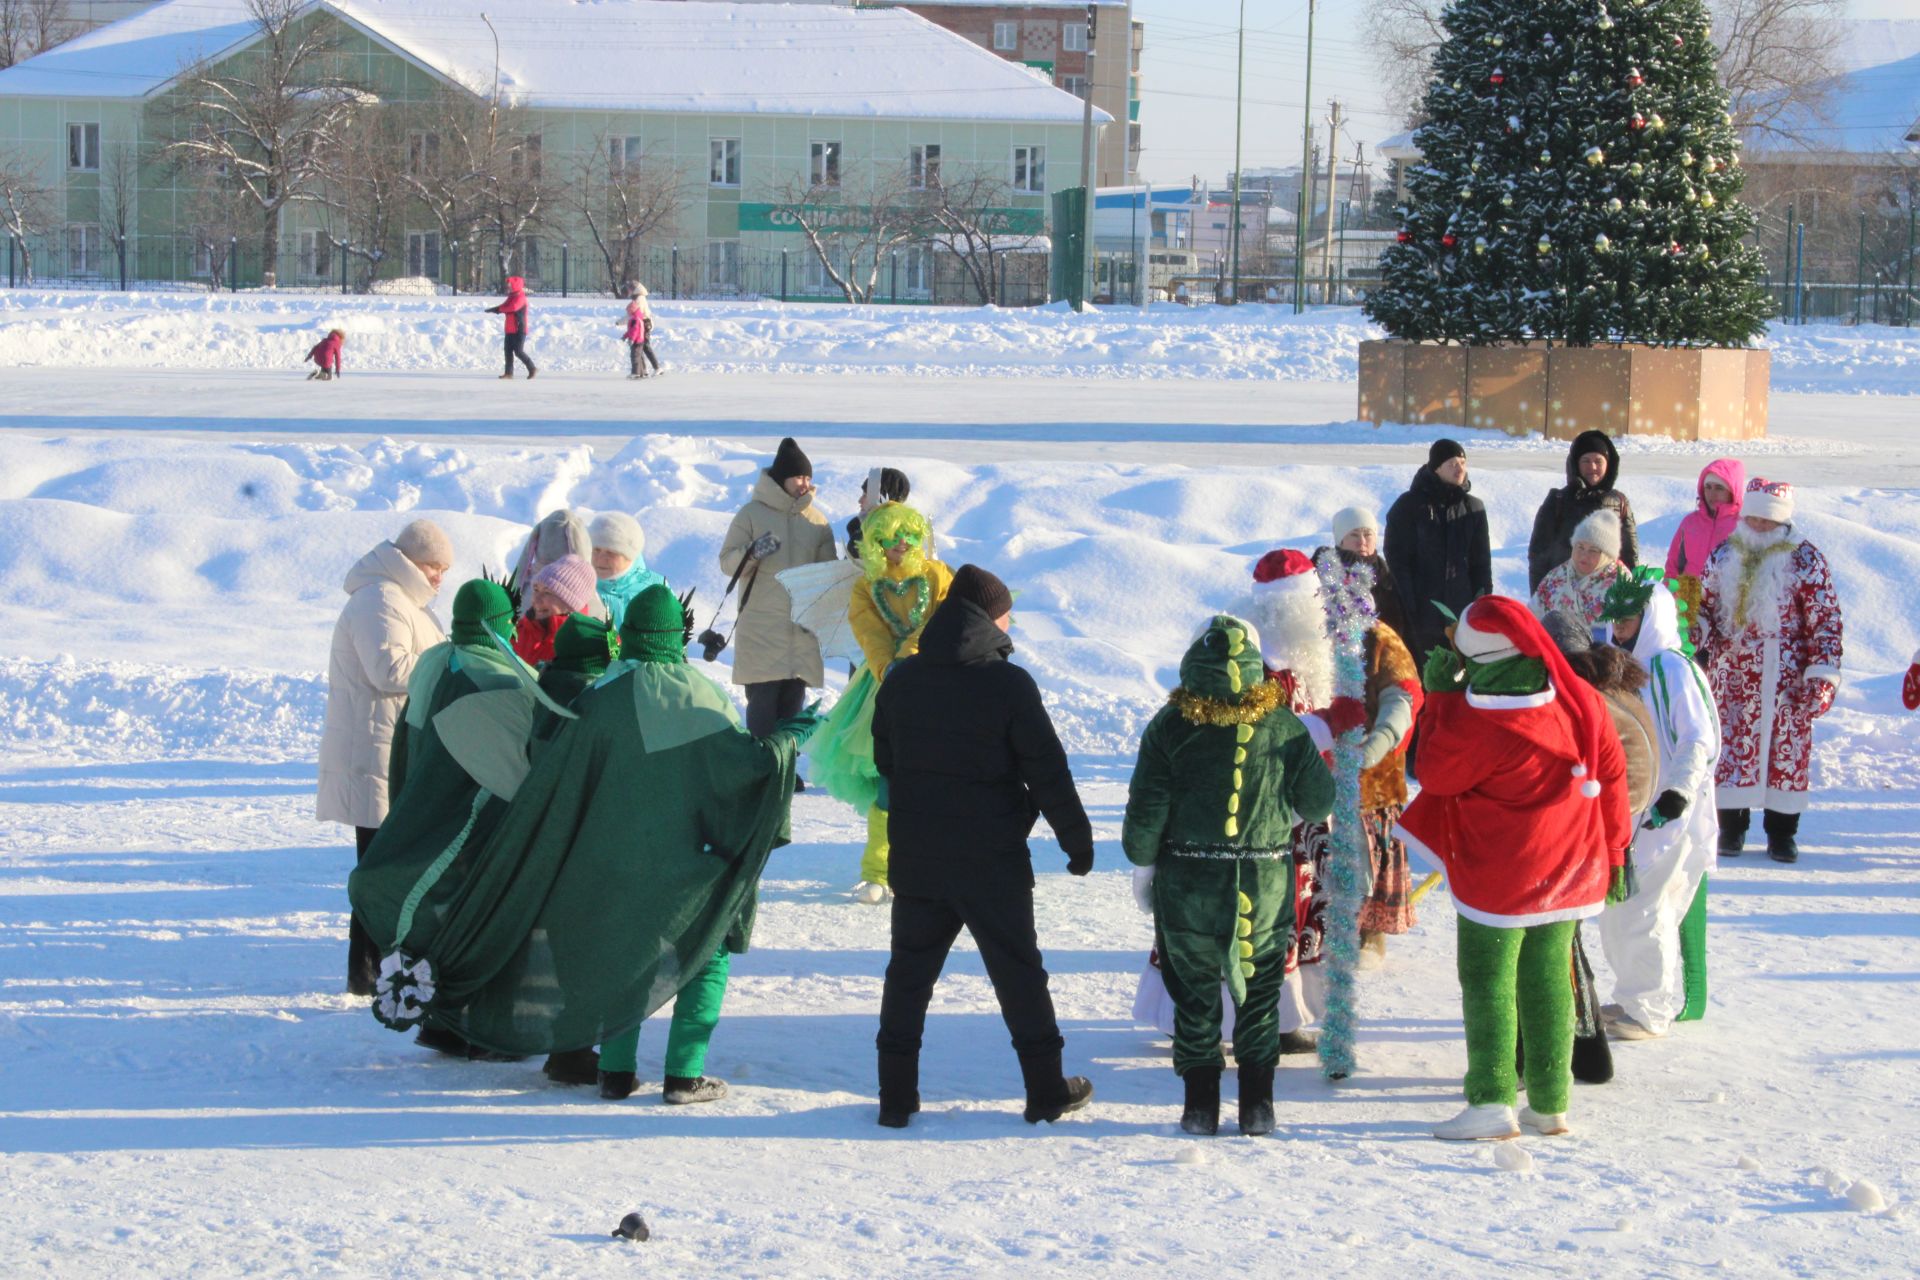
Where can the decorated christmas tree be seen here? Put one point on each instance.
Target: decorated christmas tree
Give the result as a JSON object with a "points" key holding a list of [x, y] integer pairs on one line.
{"points": [[1578, 183]]}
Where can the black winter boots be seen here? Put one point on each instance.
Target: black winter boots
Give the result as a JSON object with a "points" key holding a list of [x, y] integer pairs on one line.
{"points": [[573, 1066], [1050, 1094], [899, 1089], [1256, 1101], [1202, 1115]]}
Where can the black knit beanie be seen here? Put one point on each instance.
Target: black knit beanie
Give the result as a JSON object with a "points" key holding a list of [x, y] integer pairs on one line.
{"points": [[788, 462], [976, 585], [1443, 449]]}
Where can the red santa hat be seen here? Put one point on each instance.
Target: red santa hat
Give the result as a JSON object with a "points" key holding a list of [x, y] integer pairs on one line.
{"points": [[1284, 572], [1494, 628], [1768, 499]]}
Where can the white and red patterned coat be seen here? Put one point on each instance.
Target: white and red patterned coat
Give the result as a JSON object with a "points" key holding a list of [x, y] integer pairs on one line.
{"points": [[1761, 677]]}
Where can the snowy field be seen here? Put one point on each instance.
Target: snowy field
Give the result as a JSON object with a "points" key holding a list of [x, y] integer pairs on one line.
{"points": [[189, 1093]]}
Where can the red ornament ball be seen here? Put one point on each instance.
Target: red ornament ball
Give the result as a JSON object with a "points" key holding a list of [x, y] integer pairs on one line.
{"points": [[1405, 237], [1679, 41], [1497, 79], [1449, 240], [1637, 122], [1675, 249], [1635, 79]]}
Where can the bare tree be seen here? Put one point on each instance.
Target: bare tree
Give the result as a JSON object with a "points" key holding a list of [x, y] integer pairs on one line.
{"points": [[368, 187], [270, 114], [218, 212], [474, 162], [119, 192], [1775, 55], [966, 217], [624, 200], [30, 27], [852, 226], [26, 205]]}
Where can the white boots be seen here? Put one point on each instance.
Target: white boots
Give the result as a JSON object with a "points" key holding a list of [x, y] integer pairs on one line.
{"points": [[1489, 1122]]}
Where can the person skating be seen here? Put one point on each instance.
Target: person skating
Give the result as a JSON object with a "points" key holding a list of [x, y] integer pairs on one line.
{"points": [[1655, 941], [883, 484], [619, 561], [518, 318], [379, 637], [971, 761], [1523, 801], [1720, 489], [558, 592], [1593, 469], [630, 853], [325, 356], [1437, 546], [639, 332], [1224, 774], [775, 660], [901, 588], [1580, 584], [1773, 632]]}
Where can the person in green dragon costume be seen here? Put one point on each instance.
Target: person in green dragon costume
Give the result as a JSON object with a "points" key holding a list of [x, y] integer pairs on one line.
{"points": [[630, 852], [1225, 773]]}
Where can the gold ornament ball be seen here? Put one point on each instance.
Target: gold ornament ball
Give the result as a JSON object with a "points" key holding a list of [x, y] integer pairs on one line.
{"points": [[1546, 157], [1596, 156], [1544, 245], [1706, 200], [1601, 244], [1506, 201], [1614, 205]]}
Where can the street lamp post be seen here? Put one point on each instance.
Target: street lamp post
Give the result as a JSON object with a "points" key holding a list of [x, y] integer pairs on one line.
{"points": [[1306, 177], [1239, 94]]}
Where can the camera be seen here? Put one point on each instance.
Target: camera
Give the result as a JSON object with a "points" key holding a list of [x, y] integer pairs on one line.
{"points": [[711, 643]]}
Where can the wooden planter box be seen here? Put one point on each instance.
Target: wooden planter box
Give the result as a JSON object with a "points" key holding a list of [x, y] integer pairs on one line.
{"points": [[1686, 393]]}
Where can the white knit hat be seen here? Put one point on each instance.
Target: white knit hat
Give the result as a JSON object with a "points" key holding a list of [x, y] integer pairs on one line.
{"points": [[1768, 499], [425, 542], [1347, 519], [618, 532], [1602, 530]]}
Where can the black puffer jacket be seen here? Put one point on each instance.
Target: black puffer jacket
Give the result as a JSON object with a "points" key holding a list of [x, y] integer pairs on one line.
{"points": [[1552, 542], [971, 760], [1438, 549]]}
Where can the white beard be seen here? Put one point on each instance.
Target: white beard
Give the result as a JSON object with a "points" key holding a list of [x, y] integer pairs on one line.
{"points": [[1293, 637], [1766, 590]]}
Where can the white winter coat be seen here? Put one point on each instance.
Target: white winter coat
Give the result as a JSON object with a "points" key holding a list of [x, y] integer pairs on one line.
{"points": [[380, 635]]}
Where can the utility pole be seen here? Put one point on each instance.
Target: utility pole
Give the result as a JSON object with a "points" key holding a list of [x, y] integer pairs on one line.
{"points": [[1087, 172], [1333, 188], [1239, 94], [1306, 176]]}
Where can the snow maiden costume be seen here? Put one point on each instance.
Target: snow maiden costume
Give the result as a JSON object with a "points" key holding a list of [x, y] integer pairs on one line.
{"points": [[1523, 801], [1224, 773], [1770, 623], [900, 586], [1674, 837]]}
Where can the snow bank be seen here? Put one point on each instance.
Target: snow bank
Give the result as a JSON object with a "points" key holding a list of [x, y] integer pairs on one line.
{"points": [[72, 709], [81, 329]]}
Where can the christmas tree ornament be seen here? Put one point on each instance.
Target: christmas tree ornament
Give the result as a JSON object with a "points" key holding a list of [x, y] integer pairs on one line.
{"points": [[1596, 156], [1706, 200], [1449, 240], [1686, 159], [1657, 124], [1605, 23], [1506, 201], [1614, 205], [1601, 244], [1474, 167], [1466, 194], [1479, 246], [1634, 78], [1498, 78], [1636, 170], [1498, 41], [1636, 122], [1404, 236], [1544, 245], [1675, 249], [1546, 156], [1679, 41], [1701, 251]]}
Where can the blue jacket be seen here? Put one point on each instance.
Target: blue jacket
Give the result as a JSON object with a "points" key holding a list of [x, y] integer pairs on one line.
{"points": [[618, 592]]}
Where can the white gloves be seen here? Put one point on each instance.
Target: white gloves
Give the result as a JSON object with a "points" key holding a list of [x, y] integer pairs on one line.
{"points": [[1143, 888]]}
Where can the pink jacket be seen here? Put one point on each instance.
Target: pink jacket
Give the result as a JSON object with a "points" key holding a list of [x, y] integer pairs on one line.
{"points": [[638, 321], [1701, 534]]}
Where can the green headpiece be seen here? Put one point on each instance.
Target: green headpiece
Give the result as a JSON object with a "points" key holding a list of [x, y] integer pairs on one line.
{"points": [[655, 628], [1628, 596], [1224, 662], [585, 645], [482, 610]]}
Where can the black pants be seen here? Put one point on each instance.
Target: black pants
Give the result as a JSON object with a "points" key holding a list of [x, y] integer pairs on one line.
{"points": [[771, 701], [517, 346], [1778, 826], [363, 953], [1001, 922], [637, 350]]}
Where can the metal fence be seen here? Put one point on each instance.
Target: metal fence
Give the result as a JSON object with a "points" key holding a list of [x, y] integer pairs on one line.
{"points": [[1846, 269]]}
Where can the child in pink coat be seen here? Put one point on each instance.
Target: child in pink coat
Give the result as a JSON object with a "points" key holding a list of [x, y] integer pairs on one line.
{"points": [[326, 354], [1722, 482], [639, 333]]}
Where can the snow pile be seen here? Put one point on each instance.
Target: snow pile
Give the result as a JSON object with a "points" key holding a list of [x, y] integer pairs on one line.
{"points": [[70, 709], [1255, 342]]}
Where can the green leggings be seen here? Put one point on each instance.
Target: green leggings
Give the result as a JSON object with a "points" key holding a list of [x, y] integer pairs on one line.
{"points": [[696, 1011], [1514, 981]]}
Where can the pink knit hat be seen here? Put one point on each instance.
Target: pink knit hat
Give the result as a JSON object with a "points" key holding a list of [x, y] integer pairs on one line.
{"points": [[571, 579]]}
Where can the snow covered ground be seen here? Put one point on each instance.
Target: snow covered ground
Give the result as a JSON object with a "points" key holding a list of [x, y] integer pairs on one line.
{"points": [[189, 1093]]}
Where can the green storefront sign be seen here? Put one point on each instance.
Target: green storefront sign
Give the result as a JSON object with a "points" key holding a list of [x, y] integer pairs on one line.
{"points": [[850, 218]]}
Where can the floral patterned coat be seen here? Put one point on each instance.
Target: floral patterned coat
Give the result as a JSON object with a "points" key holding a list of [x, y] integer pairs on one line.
{"points": [[1563, 589]]}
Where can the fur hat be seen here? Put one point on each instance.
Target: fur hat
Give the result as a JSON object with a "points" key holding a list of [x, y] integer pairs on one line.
{"points": [[572, 580], [425, 542], [1347, 519], [1602, 530], [1769, 500], [976, 585], [618, 532]]}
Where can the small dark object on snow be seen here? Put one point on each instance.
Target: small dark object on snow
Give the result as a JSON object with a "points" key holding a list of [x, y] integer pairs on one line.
{"points": [[632, 1227], [1299, 1042]]}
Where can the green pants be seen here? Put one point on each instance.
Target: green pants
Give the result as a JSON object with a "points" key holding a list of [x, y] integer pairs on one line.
{"points": [[1515, 981], [1196, 915], [696, 1011], [874, 859]]}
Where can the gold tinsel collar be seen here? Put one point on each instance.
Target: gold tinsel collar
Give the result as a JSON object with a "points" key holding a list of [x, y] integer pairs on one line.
{"points": [[1251, 707]]}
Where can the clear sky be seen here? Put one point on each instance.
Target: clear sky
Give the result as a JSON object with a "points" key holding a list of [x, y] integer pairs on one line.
{"points": [[1187, 83]]}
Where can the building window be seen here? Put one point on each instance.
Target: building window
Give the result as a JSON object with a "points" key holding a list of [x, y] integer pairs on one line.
{"points": [[523, 161], [623, 155], [826, 164], [1075, 85], [723, 266], [1030, 170], [916, 271], [1006, 36], [530, 261], [316, 255], [1073, 37], [723, 162], [83, 147], [423, 153], [203, 257], [814, 280], [923, 167], [84, 247], [423, 254]]}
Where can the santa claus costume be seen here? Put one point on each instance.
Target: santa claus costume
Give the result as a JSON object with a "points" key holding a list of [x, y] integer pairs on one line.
{"points": [[1770, 621], [1523, 801]]}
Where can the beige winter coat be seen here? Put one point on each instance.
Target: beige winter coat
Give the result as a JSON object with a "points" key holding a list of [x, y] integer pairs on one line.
{"points": [[767, 645], [381, 633]]}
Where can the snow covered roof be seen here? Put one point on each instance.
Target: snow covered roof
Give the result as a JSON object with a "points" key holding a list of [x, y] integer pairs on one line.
{"points": [[1864, 114], [605, 55]]}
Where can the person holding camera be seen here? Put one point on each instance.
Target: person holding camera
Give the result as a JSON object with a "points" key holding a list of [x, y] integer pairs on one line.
{"points": [[775, 660]]}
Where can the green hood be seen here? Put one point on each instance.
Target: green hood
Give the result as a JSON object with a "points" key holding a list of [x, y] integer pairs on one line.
{"points": [[481, 609], [1224, 662], [1510, 677], [584, 646], [655, 628]]}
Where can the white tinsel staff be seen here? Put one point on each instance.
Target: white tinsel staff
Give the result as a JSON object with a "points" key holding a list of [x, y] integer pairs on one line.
{"points": [[1348, 591]]}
